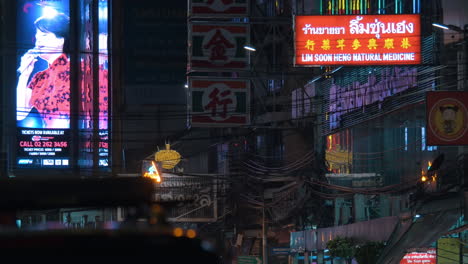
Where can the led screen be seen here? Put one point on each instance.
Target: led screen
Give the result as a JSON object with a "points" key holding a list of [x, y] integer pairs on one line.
{"points": [[43, 87], [357, 40], [43, 84]]}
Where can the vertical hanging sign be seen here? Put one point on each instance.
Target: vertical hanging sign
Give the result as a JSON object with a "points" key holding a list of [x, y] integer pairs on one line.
{"points": [[217, 47], [222, 8], [219, 102]]}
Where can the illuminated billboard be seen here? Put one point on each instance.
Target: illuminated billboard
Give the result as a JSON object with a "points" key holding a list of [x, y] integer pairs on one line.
{"points": [[43, 84], [357, 40], [447, 118], [422, 257], [43, 87]]}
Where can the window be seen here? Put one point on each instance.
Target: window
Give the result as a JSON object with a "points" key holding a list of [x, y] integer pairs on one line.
{"points": [[406, 138], [423, 141]]}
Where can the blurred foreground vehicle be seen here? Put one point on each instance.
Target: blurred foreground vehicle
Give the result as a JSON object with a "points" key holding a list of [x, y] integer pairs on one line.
{"points": [[142, 235]]}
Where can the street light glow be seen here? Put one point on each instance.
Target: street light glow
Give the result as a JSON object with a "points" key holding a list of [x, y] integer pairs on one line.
{"points": [[440, 26], [249, 48], [451, 27]]}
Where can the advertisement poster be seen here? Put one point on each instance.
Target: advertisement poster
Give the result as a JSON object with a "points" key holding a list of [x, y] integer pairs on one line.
{"points": [[380, 85], [219, 102], [43, 84], [357, 40], [428, 257], [213, 8], [218, 47], [447, 118], [43, 87]]}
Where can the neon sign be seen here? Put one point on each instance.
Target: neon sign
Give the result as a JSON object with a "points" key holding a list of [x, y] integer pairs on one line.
{"points": [[357, 40]]}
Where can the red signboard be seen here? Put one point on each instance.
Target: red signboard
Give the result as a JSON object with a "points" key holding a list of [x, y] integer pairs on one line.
{"points": [[428, 257], [357, 40], [447, 118]]}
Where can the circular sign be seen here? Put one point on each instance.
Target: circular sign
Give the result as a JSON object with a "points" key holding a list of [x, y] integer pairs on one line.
{"points": [[448, 119]]}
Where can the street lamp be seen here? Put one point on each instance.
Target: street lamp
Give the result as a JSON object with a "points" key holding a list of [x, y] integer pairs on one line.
{"points": [[452, 27], [463, 58], [250, 48]]}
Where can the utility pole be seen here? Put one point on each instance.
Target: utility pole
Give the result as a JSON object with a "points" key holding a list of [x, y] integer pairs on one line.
{"points": [[264, 237]]}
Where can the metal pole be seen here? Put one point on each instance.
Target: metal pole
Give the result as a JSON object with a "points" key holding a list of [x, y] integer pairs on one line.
{"points": [[75, 29], [264, 249]]}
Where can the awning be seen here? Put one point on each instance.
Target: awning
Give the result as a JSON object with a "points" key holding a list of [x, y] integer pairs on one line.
{"points": [[373, 230], [436, 217]]}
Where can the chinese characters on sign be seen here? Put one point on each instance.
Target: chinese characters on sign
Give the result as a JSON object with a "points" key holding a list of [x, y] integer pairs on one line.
{"points": [[218, 47], [357, 40], [221, 102]]}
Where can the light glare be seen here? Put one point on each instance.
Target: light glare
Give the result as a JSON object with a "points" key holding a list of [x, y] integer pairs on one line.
{"points": [[249, 48], [191, 233], [178, 232], [49, 12], [440, 26]]}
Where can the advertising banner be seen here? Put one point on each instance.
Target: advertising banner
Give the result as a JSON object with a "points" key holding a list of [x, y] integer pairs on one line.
{"points": [[428, 257], [194, 197], [218, 47], [381, 84], [43, 87], [357, 40], [447, 118], [218, 8], [219, 102], [43, 84]]}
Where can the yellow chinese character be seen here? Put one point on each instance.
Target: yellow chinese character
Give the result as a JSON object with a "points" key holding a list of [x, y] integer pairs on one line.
{"points": [[326, 44], [405, 43], [310, 44], [356, 44], [341, 44], [389, 44], [372, 43]]}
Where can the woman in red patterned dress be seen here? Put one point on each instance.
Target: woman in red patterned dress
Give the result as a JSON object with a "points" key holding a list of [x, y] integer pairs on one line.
{"points": [[47, 92]]}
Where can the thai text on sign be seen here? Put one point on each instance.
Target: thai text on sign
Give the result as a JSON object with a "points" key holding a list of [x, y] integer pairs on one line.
{"points": [[357, 40]]}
